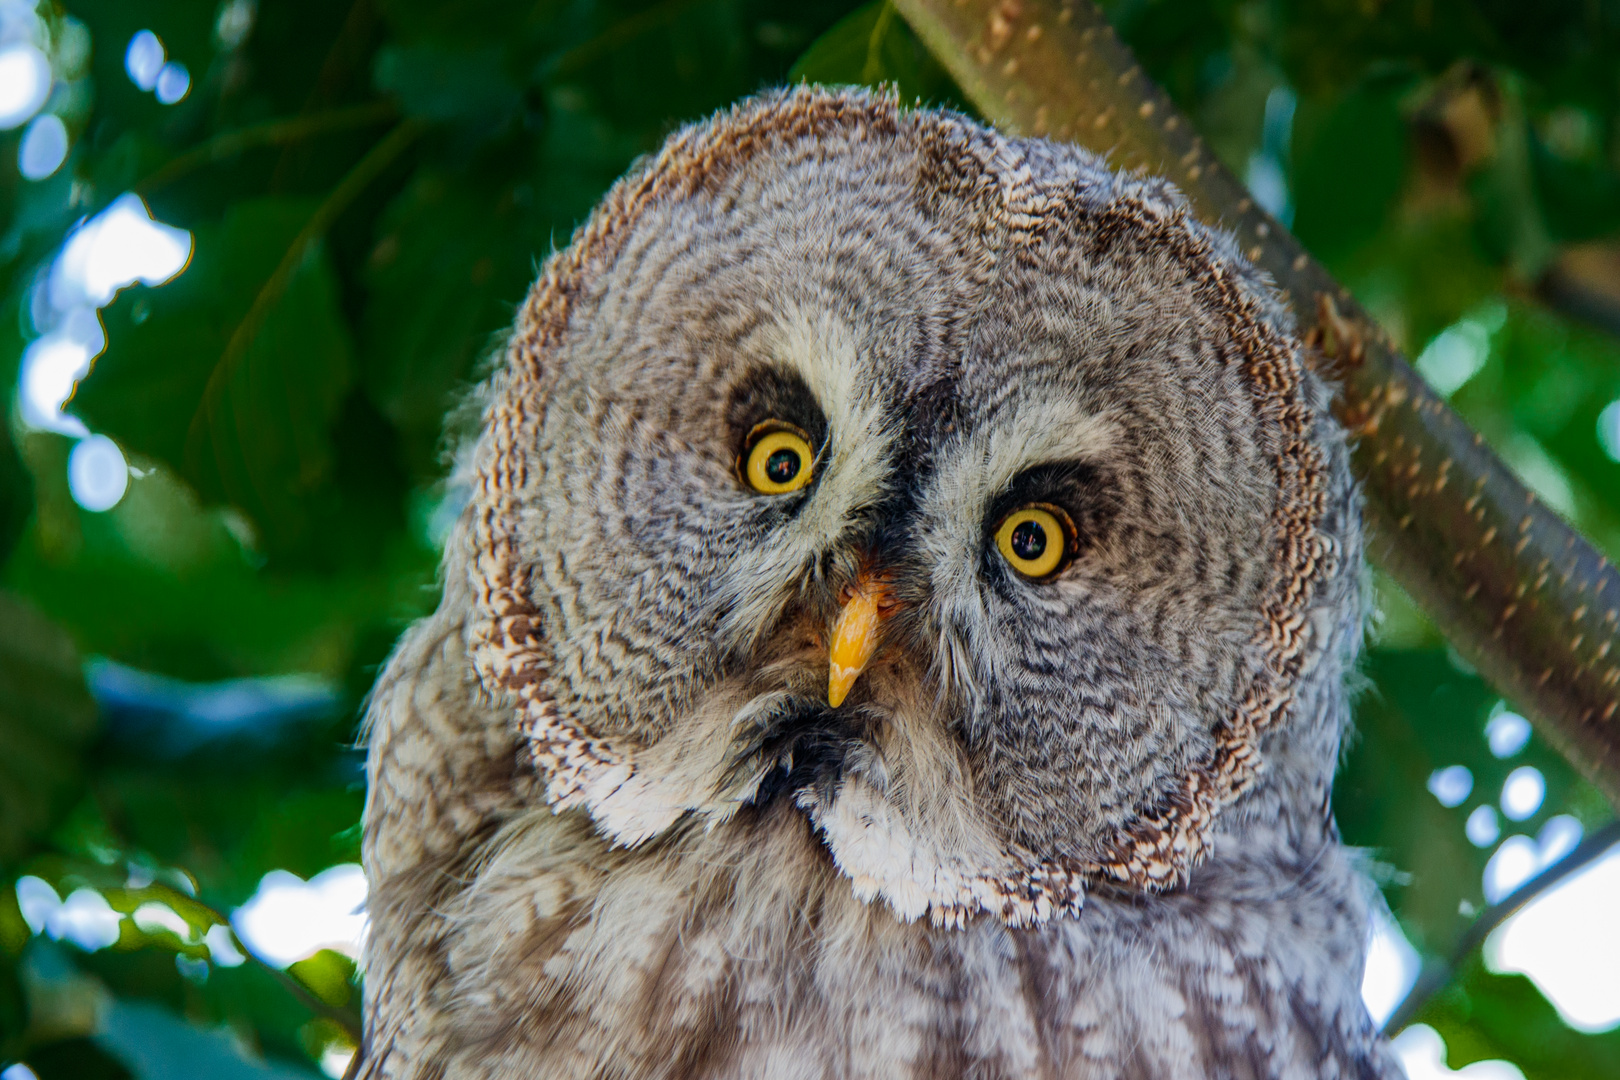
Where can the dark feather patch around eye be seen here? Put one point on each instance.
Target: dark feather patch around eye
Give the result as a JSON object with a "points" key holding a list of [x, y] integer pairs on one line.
{"points": [[1084, 490], [773, 393]]}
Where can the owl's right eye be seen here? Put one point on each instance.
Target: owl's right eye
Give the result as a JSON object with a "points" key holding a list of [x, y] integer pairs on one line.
{"points": [[1036, 540], [776, 458]]}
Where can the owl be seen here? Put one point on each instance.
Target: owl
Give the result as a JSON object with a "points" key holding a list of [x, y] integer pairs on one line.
{"points": [[898, 629]]}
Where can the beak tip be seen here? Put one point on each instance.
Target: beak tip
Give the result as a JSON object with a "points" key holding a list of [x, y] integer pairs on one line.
{"points": [[854, 639], [838, 683]]}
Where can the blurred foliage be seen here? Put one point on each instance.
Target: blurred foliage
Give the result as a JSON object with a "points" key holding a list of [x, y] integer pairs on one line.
{"points": [[1482, 1016], [371, 188]]}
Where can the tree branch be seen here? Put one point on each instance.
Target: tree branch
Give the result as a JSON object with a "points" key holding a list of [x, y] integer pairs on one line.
{"points": [[1523, 596], [1438, 975], [1584, 283]]}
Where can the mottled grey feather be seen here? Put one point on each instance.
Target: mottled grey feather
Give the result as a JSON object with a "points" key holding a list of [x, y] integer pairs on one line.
{"points": [[1067, 828]]}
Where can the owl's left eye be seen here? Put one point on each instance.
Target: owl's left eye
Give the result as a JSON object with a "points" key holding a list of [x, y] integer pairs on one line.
{"points": [[1036, 540], [776, 458]]}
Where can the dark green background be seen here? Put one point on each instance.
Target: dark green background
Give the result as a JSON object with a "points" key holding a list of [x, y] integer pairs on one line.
{"points": [[286, 522]]}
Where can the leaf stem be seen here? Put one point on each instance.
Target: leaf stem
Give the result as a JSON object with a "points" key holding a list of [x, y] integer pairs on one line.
{"points": [[1436, 976], [625, 30], [378, 158], [270, 133], [347, 1019], [872, 69]]}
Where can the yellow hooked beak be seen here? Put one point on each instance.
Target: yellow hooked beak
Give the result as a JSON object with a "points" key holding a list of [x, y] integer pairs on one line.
{"points": [[855, 636]]}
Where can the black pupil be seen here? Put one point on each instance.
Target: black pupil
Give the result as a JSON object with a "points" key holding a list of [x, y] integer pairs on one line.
{"points": [[782, 466], [1028, 540]]}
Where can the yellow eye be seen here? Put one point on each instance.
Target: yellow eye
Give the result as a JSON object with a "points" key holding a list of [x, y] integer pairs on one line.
{"points": [[1034, 539], [777, 458]]}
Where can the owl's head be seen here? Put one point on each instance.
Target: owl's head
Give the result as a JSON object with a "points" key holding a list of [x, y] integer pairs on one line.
{"points": [[953, 490]]}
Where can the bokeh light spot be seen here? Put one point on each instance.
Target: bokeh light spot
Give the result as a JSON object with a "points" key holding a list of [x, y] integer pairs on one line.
{"points": [[1451, 785], [222, 947], [288, 919], [234, 24], [144, 58], [1522, 792], [335, 1060], [51, 367], [1267, 174], [84, 918], [98, 475], [25, 83], [43, 148], [1482, 828], [1423, 1055], [1392, 968], [1459, 352], [118, 247], [36, 900], [172, 83], [153, 917], [1506, 733], [1608, 430], [1513, 864], [1568, 942], [1558, 837]]}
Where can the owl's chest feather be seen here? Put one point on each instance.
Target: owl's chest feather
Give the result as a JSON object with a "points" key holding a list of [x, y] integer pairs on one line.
{"points": [[728, 956]]}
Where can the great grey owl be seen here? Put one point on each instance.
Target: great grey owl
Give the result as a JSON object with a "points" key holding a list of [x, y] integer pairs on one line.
{"points": [[898, 630]]}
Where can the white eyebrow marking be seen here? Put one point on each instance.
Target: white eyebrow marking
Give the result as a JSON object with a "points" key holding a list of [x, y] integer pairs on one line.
{"points": [[974, 469], [853, 470], [857, 461]]}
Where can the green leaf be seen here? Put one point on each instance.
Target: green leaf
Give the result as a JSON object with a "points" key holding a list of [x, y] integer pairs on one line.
{"points": [[851, 51], [46, 716], [445, 277], [468, 87], [874, 47], [1482, 1015], [34, 219], [75, 1059], [1427, 714], [1583, 202], [328, 975], [157, 1045], [14, 935], [536, 107], [234, 384], [16, 493], [1545, 384], [1509, 213], [1350, 162], [463, 21], [264, 439], [16, 484]]}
